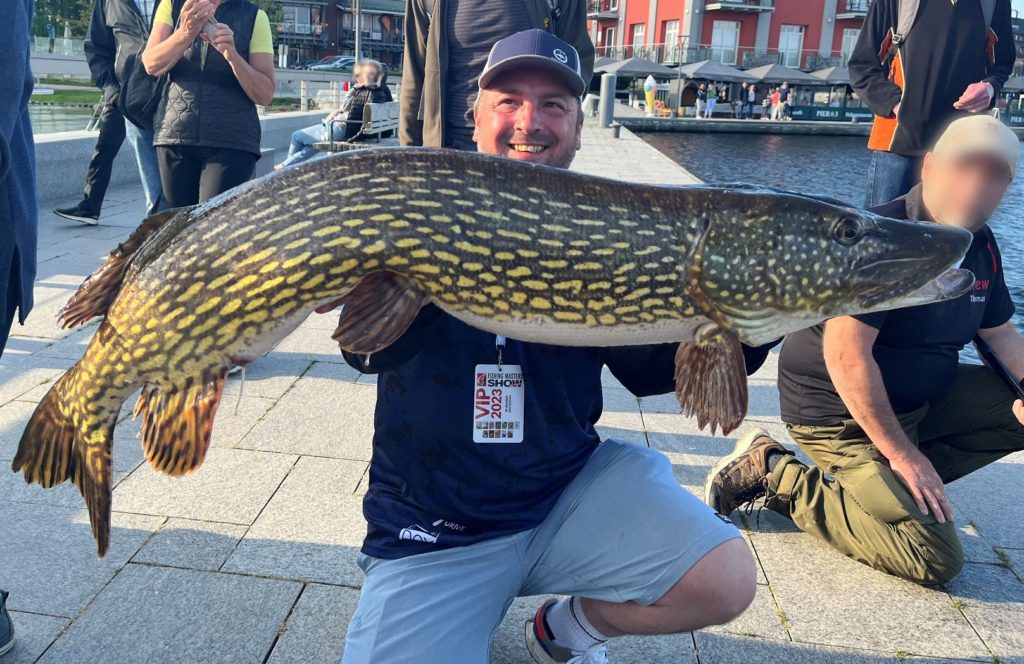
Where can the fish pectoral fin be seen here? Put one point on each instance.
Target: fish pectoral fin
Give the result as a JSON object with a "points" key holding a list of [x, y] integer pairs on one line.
{"points": [[711, 379], [177, 421], [100, 289], [378, 311]]}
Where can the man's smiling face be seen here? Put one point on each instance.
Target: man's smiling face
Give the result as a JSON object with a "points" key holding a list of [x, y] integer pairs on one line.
{"points": [[531, 115]]}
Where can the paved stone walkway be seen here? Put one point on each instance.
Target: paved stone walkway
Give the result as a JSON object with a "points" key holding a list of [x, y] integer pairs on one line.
{"points": [[252, 559]]}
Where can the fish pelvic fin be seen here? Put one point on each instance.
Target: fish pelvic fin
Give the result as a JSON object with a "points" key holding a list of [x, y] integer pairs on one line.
{"points": [[711, 379], [99, 290], [177, 421], [377, 312], [53, 449]]}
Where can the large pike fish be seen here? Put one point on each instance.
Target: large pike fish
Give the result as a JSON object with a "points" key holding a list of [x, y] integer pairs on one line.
{"points": [[526, 251]]}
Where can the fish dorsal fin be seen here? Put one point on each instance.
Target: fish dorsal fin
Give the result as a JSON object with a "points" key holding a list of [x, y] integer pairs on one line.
{"points": [[711, 379], [100, 288], [177, 421], [377, 311]]}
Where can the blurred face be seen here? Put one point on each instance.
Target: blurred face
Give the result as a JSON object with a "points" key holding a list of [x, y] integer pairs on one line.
{"points": [[531, 115], [963, 191], [367, 75]]}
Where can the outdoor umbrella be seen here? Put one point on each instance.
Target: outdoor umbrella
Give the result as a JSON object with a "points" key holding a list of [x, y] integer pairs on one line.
{"points": [[1014, 83], [601, 62], [833, 75], [780, 74], [636, 68], [715, 71]]}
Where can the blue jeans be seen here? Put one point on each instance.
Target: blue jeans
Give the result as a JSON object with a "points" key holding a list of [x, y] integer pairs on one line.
{"points": [[301, 147], [149, 171], [622, 531], [890, 175]]}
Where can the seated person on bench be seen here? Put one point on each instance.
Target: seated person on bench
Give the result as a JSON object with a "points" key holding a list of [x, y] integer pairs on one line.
{"points": [[344, 123]]}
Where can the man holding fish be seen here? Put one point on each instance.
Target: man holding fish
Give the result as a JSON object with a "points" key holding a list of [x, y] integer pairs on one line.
{"points": [[462, 519]]}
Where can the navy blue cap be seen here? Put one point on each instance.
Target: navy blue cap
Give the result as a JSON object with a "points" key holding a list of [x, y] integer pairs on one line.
{"points": [[538, 49]]}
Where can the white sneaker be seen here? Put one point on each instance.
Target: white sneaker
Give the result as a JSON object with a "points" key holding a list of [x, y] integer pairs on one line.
{"points": [[544, 651]]}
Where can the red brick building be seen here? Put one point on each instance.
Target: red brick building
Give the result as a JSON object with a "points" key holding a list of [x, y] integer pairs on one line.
{"points": [[807, 34]]}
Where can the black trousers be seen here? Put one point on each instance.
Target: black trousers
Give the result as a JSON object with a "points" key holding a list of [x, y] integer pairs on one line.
{"points": [[192, 174], [108, 143]]}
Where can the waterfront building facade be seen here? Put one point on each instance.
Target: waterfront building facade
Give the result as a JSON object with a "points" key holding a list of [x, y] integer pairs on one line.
{"points": [[313, 29], [805, 34]]}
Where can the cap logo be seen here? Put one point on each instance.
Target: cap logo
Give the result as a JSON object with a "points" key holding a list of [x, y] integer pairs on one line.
{"points": [[560, 55]]}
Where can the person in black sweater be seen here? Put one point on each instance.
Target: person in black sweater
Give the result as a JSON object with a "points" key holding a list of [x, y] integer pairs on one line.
{"points": [[950, 64]]}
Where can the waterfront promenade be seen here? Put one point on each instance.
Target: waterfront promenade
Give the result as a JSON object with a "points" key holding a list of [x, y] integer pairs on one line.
{"points": [[252, 559]]}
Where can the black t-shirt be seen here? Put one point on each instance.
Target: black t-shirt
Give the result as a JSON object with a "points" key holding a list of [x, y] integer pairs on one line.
{"points": [[917, 349]]}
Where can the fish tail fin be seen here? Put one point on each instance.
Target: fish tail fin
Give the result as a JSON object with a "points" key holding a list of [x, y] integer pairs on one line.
{"points": [[52, 450]]}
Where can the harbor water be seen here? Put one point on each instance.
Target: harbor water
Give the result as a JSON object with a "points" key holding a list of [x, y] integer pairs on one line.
{"points": [[829, 165]]}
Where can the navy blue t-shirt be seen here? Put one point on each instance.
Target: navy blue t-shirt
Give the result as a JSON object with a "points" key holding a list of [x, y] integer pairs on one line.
{"points": [[917, 349], [431, 486]]}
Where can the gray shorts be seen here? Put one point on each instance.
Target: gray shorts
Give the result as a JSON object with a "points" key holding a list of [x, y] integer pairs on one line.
{"points": [[623, 530]]}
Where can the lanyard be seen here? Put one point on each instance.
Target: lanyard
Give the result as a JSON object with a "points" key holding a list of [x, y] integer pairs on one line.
{"points": [[499, 343]]}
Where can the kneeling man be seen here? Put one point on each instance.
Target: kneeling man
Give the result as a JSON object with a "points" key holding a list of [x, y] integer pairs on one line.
{"points": [[464, 519], [881, 402]]}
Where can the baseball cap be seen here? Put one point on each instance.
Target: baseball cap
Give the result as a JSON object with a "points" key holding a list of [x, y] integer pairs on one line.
{"points": [[538, 49], [980, 135]]}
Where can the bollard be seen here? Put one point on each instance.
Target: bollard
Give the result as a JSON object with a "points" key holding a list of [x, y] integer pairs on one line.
{"points": [[303, 95], [606, 107]]}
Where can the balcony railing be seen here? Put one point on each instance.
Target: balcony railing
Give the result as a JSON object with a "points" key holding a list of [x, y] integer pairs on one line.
{"points": [[743, 57], [853, 8], [310, 29], [740, 5], [602, 9], [391, 39]]}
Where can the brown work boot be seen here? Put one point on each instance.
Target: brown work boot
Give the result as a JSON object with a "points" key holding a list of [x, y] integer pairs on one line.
{"points": [[742, 476]]}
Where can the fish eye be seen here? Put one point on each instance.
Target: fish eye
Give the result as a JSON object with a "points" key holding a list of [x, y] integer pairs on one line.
{"points": [[847, 231]]}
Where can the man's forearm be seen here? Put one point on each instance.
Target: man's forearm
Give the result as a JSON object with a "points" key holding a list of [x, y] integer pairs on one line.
{"points": [[1008, 344], [859, 383]]}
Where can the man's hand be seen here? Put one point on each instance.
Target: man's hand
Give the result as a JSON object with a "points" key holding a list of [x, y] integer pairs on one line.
{"points": [[1018, 410], [224, 41], [918, 474], [194, 15], [976, 97]]}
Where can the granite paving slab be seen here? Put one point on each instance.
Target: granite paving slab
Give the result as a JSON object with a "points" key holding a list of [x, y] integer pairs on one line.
{"points": [[33, 633], [269, 377], [315, 631], [203, 545], [49, 561], [716, 648], [991, 498], [167, 615], [312, 528], [315, 344], [831, 600], [21, 373], [992, 598], [320, 415], [231, 486]]}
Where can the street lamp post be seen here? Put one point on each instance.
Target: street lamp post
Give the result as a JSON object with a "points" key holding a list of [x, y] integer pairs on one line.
{"points": [[357, 22]]}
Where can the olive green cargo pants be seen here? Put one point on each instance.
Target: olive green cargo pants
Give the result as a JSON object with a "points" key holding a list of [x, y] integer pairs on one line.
{"points": [[853, 501]]}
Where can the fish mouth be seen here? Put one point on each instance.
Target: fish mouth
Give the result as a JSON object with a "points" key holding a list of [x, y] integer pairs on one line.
{"points": [[949, 285]]}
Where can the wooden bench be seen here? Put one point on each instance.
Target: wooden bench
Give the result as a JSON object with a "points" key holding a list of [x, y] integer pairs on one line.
{"points": [[378, 118]]}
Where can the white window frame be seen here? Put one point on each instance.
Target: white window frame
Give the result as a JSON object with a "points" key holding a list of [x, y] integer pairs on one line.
{"points": [[723, 50], [639, 30], [850, 37], [789, 32], [613, 5], [609, 37]]}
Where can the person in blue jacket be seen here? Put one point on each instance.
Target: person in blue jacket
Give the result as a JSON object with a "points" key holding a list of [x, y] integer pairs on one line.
{"points": [[489, 480], [18, 212]]}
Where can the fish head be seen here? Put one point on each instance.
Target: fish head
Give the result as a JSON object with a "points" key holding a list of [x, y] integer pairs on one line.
{"points": [[773, 262]]}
